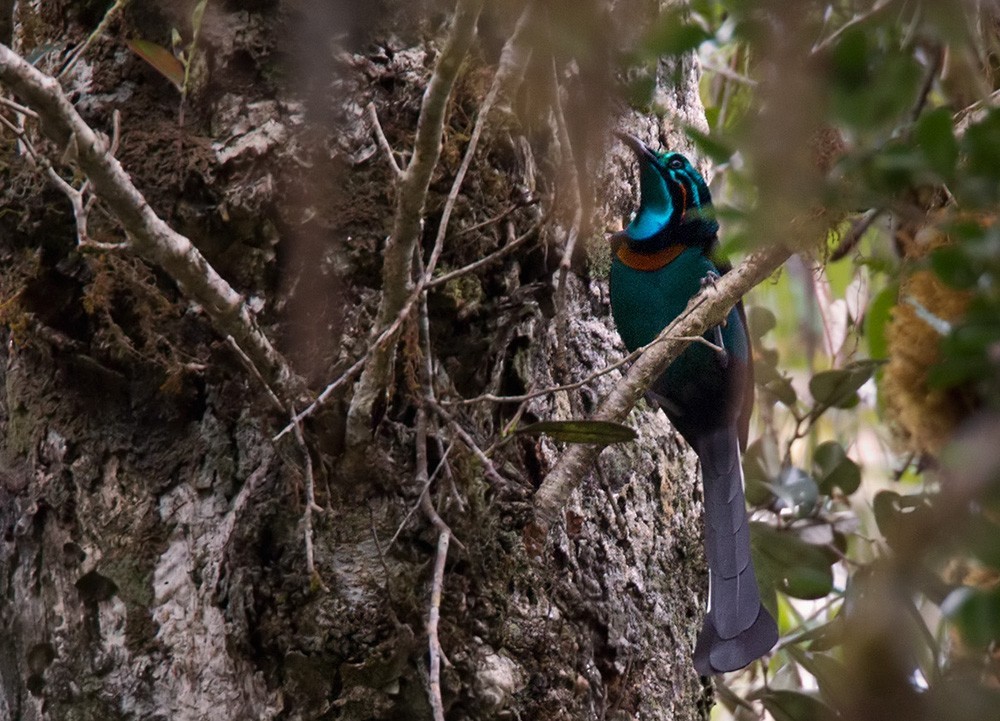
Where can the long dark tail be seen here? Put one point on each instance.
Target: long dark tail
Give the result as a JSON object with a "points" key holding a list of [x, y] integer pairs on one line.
{"points": [[738, 629]]}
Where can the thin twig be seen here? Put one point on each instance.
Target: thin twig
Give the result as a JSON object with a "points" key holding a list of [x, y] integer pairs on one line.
{"points": [[470, 442], [857, 230], [18, 108], [98, 31], [729, 74], [413, 509], [512, 245], [383, 141], [514, 55], [311, 508], [928, 83], [433, 617], [272, 396], [490, 397], [856, 20], [422, 478], [496, 218]]}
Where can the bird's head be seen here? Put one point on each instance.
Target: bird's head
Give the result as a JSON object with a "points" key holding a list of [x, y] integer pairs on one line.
{"points": [[675, 205]]}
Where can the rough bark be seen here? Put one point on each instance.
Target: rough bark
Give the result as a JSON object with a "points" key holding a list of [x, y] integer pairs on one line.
{"points": [[153, 558]]}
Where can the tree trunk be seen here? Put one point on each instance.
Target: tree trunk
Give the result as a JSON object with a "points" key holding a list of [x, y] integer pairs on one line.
{"points": [[154, 553]]}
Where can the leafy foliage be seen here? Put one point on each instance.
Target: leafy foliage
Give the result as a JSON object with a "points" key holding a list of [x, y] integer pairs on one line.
{"points": [[863, 131]]}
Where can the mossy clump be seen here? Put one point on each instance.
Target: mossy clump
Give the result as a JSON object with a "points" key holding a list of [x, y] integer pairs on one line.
{"points": [[926, 416]]}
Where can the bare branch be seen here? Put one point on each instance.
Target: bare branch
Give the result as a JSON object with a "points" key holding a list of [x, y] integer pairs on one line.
{"points": [[874, 11], [18, 108], [410, 200], [434, 615], [150, 236], [515, 55], [310, 508], [493, 398], [512, 245], [469, 441], [858, 228], [98, 31], [706, 309], [383, 141]]}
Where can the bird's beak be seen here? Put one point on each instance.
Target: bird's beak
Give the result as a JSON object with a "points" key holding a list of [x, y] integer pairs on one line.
{"points": [[641, 150]]}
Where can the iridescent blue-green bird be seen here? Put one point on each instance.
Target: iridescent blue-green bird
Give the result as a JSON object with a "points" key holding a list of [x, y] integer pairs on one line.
{"points": [[659, 262]]}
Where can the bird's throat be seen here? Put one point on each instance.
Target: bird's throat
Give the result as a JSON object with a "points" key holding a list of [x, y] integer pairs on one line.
{"points": [[649, 261]]}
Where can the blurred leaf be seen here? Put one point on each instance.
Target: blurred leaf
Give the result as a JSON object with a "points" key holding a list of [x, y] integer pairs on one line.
{"points": [[871, 88], [834, 469], [794, 706], [796, 489], [981, 144], [849, 60], [675, 33], [954, 267], [900, 516], [936, 139], [767, 377], [976, 614], [756, 473], [602, 432], [639, 90], [161, 59], [761, 321], [877, 319], [838, 388], [711, 145], [826, 636], [830, 674], [791, 565], [981, 535]]}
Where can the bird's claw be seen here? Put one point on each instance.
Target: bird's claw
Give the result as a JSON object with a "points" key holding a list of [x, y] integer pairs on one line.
{"points": [[710, 279], [721, 346]]}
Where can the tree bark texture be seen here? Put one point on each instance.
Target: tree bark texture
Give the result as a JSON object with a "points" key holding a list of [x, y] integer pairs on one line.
{"points": [[153, 557]]}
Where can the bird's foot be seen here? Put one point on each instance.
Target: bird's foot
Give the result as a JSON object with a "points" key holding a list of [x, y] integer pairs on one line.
{"points": [[710, 279], [720, 345]]}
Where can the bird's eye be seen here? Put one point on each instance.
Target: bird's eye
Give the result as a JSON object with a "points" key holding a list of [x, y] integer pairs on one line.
{"points": [[675, 164]]}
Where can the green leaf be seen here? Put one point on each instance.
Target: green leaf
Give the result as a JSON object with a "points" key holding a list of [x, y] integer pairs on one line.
{"points": [[796, 488], [936, 139], [161, 59], [849, 60], [830, 674], [675, 34], [756, 478], [981, 144], [976, 613], [833, 469], [786, 705], [761, 321], [877, 320], [791, 565], [838, 388], [954, 267], [602, 432], [900, 517], [719, 151]]}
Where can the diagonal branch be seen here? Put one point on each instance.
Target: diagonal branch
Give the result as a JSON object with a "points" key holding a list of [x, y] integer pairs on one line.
{"points": [[150, 236], [706, 309]]}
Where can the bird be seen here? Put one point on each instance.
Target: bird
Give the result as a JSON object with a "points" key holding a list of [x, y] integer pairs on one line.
{"points": [[666, 255]]}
